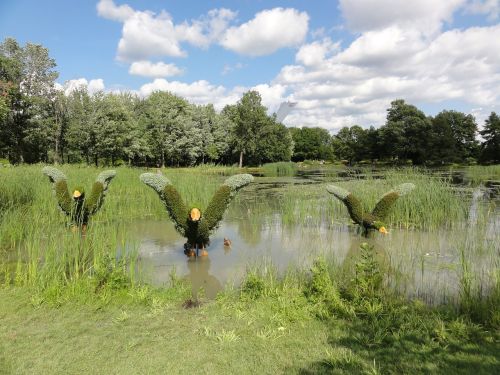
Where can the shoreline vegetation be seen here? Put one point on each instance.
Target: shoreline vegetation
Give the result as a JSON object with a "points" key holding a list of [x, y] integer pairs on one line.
{"points": [[71, 304]]}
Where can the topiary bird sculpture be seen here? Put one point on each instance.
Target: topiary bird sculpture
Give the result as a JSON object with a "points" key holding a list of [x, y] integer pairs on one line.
{"points": [[77, 206], [194, 224], [374, 219]]}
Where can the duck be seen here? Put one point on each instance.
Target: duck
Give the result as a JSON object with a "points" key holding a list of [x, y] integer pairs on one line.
{"points": [[193, 223], [77, 206], [370, 220]]}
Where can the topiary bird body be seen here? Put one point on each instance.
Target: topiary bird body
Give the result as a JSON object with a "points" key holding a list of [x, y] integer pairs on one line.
{"points": [[374, 219], [192, 223], [78, 206]]}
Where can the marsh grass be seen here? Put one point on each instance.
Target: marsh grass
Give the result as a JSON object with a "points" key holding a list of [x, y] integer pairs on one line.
{"points": [[279, 169], [477, 174], [431, 205], [38, 249]]}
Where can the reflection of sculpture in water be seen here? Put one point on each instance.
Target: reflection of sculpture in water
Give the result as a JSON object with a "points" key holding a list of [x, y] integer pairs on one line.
{"points": [[195, 225], [201, 279], [367, 220]]}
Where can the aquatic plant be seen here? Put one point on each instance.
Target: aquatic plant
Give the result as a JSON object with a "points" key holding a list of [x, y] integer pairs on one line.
{"points": [[77, 206], [279, 169], [191, 223], [373, 220]]}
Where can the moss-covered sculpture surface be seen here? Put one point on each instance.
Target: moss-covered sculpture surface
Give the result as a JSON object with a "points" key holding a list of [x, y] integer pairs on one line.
{"points": [[78, 206], [375, 219], [194, 224]]}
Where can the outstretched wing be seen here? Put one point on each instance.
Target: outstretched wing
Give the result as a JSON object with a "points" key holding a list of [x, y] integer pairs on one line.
{"points": [[60, 186], [221, 199], [171, 198], [385, 203], [351, 202], [99, 189]]}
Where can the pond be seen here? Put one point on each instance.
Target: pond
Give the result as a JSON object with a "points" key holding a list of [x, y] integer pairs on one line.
{"points": [[427, 264]]}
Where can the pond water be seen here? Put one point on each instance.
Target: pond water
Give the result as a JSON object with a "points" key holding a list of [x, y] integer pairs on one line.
{"points": [[423, 264]]}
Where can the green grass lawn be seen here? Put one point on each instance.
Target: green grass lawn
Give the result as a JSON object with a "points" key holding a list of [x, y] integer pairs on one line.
{"points": [[266, 327]]}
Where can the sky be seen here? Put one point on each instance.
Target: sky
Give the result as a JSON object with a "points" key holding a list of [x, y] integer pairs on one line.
{"points": [[342, 62]]}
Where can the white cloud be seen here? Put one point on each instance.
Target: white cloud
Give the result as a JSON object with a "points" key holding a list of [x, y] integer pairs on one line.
{"points": [[424, 15], [146, 34], [92, 86], [149, 69], [108, 9], [357, 84], [314, 53], [203, 92], [488, 7], [267, 32]]}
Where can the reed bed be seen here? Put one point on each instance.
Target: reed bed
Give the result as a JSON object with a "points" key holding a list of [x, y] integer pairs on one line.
{"points": [[279, 169]]}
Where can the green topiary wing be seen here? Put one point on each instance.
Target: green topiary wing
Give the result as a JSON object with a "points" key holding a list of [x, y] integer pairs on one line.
{"points": [[350, 201], [171, 198], [60, 185], [385, 203], [99, 189], [215, 210]]}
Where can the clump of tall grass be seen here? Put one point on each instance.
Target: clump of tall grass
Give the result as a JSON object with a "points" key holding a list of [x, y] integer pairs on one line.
{"points": [[431, 205], [16, 189], [279, 169], [478, 174]]}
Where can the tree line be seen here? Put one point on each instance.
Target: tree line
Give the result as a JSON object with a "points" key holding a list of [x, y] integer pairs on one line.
{"points": [[39, 123], [408, 136]]}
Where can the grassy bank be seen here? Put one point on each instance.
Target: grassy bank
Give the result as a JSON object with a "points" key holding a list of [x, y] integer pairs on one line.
{"points": [[301, 323]]}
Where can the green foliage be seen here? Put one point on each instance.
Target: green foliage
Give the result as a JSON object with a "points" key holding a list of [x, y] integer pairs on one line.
{"points": [[197, 233], [383, 206], [253, 287], [367, 282], [279, 169], [215, 210], [79, 209], [63, 197], [311, 144], [323, 293], [490, 149], [111, 274], [381, 210]]}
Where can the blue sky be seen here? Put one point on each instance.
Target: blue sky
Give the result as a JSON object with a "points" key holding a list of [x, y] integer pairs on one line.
{"points": [[341, 61]]}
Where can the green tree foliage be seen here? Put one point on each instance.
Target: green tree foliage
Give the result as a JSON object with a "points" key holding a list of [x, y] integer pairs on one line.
{"points": [[453, 137], [255, 134], [27, 88], [407, 132], [490, 151], [311, 144], [249, 116]]}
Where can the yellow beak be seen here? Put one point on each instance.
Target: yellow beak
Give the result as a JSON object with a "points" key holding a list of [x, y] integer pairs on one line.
{"points": [[383, 230], [76, 194], [195, 214]]}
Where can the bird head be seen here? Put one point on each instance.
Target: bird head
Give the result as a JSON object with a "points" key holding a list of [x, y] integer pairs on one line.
{"points": [[194, 214], [380, 227], [78, 194]]}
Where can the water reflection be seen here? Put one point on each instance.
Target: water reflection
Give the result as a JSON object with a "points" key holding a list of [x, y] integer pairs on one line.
{"points": [[201, 279]]}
